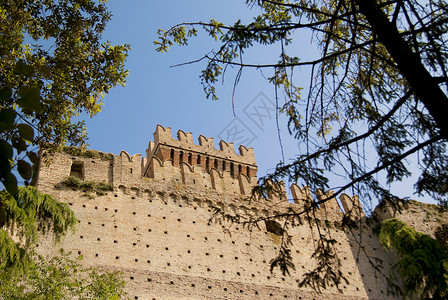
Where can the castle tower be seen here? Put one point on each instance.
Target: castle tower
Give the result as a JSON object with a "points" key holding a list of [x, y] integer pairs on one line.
{"points": [[204, 155]]}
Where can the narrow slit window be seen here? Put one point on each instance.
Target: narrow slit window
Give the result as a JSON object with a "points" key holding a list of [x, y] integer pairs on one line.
{"points": [[207, 163], [198, 161], [231, 169], [190, 158], [216, 164], [247, 171], [223, 165], [181, 157], [172, 156]]}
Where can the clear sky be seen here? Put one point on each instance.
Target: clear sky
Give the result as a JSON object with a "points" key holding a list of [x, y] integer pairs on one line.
{"points": [[156, 93]]}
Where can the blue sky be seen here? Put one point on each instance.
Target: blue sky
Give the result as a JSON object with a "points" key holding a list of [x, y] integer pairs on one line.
{"points": [[156, 93]]}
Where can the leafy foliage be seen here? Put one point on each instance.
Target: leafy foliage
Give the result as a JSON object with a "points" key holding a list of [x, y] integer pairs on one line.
{"points": [[423, 263], [53, 66], [441, 235], [24, 217], [327, 272], [61, 277], [283, 261]]}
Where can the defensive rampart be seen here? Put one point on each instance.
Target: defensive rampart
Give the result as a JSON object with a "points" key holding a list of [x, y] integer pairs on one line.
{"points": [[161, 228]]}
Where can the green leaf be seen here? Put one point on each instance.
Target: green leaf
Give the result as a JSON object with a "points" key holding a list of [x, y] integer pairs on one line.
{"points": [[45, 70], [5, 149], [30, 98], [5, 167], [10, 183], [24, 169], [26, 132], [33, 157], [19, 144], [23, 69], [5, 94], [7, 117]]}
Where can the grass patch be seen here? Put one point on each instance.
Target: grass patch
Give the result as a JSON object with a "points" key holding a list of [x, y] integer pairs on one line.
{"points": [[75, 151], [91, 186]]}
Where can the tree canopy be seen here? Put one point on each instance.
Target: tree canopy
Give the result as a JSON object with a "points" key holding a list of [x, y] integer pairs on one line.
{"points": [[379, 83], [53, 66]]}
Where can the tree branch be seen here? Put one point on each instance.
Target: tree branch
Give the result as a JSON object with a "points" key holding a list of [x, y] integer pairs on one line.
{"points": [[382, 167], [420, 80], [397, 105]]}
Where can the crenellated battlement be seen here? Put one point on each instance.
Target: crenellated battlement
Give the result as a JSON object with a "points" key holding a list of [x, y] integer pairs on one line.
{"points": [[183, 150], [182, 162], [202, 167], [163, 135], [304, 199], [167, 160]]}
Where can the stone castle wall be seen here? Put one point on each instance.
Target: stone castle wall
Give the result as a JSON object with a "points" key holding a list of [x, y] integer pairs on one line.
{"points": [[158, 226]]}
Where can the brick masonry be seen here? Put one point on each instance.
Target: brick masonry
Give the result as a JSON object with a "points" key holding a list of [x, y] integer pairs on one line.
{"points": [[157, 226]]}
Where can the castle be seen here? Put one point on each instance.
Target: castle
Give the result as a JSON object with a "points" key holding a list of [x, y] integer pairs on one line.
{"points": [[159, 227]]}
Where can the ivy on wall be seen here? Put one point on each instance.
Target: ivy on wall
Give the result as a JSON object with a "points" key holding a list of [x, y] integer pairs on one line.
{"points": [[423, 261]]}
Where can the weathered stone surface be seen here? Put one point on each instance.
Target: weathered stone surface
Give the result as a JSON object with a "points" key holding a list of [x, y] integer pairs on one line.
{"points": [[160, 230]]}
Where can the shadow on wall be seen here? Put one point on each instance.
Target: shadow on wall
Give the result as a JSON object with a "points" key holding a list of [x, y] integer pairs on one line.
{"points": [[373, 263]]}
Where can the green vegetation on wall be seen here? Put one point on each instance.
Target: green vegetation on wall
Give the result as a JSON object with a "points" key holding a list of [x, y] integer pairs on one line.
{"points": [[76, 151], [100, 188], [423, 261]]}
